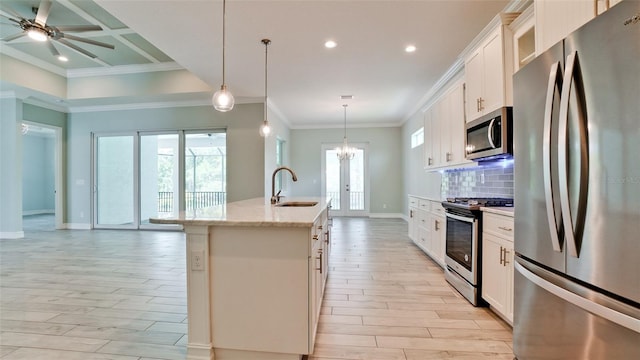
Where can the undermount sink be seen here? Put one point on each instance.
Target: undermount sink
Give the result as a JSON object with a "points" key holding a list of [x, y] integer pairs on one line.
{"points": [[298, 204]]}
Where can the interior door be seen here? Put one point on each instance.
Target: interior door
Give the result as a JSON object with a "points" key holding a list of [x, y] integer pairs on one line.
{"points": [[346, 182]]}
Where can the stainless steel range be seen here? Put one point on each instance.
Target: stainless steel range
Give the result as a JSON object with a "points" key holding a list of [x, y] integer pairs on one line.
{"points": [[463, 243]]}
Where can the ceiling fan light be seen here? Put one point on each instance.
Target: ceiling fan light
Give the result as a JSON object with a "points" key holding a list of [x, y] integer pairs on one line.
{"points": [[63, 58], [37, 34], [223, 100]]}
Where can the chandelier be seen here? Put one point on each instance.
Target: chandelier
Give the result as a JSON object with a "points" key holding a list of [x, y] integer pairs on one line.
{"points": [[345, 152]]}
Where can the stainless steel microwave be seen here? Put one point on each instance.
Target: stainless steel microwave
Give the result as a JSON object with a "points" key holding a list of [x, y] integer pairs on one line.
{"points": [[491, 136]]}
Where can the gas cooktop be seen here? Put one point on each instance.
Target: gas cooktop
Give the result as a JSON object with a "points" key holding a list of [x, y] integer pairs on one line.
{"points": [[476, 203]]}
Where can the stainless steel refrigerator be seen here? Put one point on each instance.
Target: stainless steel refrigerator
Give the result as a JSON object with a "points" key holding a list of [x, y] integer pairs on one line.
{"points": [[576, 120]]}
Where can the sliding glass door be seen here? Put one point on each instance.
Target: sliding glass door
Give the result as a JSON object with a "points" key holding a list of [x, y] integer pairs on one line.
{"points": [[114, 181], [156, 175]]}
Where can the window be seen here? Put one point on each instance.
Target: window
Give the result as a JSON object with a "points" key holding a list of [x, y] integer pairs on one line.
{"points": [[417, 138], [279, 162]]}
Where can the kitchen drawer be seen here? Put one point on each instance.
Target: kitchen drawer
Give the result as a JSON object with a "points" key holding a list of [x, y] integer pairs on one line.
{"points": [[498, 225], [424, 204], [413, 201], [423, 217], [436, 208]]}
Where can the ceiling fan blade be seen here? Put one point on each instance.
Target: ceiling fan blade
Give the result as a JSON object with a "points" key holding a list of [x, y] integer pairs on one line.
{"points": [[43, 12], [76, 48], [11, 12], [13, 37], [10, 19], [88, 41], [53, 49], [78, 28]]}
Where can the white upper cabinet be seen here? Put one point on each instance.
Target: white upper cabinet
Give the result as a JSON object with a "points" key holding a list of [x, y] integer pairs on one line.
{"points": [[444, 138], [488, 69], [555, 19]]}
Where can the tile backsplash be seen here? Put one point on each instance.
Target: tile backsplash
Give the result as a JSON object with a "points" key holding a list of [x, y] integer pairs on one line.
{"points": [[492, 180]]}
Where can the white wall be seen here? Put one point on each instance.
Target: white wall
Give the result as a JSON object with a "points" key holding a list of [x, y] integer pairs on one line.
{"points": [[385, 163], [279, 130], [417, 181]]}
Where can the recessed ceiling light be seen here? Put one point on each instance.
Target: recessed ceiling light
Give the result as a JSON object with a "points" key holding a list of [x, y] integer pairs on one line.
{"points": [[63, 58], [330, 44], [346, 97], [410, 48]]}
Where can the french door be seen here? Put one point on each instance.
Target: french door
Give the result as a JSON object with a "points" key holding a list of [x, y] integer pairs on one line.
{"points": [[346, 182]]}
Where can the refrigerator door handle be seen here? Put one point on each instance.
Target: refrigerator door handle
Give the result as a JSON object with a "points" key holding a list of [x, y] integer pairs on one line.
{"points": [[555, 229], [594, 308], [572, 229]]}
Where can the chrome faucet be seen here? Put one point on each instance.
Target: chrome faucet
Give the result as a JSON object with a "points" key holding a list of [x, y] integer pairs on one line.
{"points": [[275, 198]]}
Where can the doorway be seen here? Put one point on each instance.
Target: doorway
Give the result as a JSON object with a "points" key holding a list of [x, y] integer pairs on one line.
{"points": [[41, 177], [346, 182]]}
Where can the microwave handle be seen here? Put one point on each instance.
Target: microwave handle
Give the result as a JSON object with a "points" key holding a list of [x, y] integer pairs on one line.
{"points": [[490, 133]]}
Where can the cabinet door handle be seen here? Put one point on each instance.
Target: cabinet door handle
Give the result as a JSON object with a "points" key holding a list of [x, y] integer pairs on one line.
{"points": [[411, 214], [430, 161], [505, 228], [448, 156], [326, 239], [319, 258], [505, 262], [478, 104], [319, 227], [437, 225], [501, 255], [481, 100], [315, 237]]}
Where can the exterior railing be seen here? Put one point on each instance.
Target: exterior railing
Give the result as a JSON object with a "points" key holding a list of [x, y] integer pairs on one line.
{"points": [[356, 200], [193, 200]]}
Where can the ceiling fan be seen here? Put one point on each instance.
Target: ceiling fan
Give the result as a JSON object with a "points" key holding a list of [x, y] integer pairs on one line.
{"points": [[39, 30]]}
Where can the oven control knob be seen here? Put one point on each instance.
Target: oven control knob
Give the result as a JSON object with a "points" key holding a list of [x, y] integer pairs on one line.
{"points": [[466, 257]]}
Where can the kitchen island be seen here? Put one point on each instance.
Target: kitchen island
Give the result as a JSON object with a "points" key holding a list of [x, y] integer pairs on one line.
{"points": [[255, 277]]}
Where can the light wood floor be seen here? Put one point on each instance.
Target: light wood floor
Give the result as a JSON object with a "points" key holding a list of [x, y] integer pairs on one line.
{"points": [[120, 295]]}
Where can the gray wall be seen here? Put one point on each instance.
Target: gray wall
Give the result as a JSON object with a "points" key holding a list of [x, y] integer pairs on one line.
{"points": [[385, 163], [245, 147], [10, 168], [38, 174]]}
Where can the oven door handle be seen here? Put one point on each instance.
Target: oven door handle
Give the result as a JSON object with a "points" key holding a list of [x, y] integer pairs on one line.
{"points": [[461, 218]]}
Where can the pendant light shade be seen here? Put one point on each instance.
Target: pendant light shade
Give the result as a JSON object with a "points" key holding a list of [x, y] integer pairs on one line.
{"points": [[265, 129], [345, 152], [223, 99]]}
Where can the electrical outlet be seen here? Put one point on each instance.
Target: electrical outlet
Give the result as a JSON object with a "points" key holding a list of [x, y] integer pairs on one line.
{"points": [[197, 260]]}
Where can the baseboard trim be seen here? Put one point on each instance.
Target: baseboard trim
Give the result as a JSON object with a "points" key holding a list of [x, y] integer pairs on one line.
{"points": [[77, 226], [11, 235], [386, 215]]}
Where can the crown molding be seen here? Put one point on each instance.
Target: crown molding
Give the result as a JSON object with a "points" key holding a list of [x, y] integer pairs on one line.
{"points": [[32, 60], [351, 126], [139, 106], [122, 70]]}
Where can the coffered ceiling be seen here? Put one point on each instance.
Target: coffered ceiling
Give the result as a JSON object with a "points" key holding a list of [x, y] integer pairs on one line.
{"points": [[306, 79]]}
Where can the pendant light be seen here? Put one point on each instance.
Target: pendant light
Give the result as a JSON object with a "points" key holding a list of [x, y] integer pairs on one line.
{"points": [[345, 152], [223, 99], [265, 129]]}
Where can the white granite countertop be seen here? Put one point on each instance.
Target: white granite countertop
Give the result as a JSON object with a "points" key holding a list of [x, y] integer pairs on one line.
{"points": [[500, 210], [252, 212]]}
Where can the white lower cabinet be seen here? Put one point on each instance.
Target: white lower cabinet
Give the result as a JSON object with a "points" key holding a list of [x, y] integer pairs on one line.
{"points": [[427, 227], [497, 264]]}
